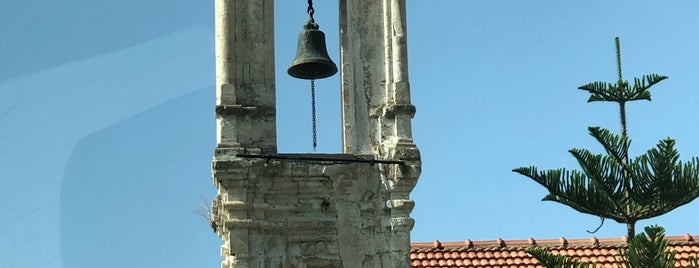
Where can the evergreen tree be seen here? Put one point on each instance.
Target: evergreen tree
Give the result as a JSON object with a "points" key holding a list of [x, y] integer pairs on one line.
{"points": [[613, 186], [651, 251], [550, 260], [643, 251]]}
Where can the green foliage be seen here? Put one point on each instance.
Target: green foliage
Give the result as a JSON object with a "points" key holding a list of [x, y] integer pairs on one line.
{"points": [[621, 91], [656, 182], [551, 260], [694, 261], [643, 251], [612, 185], [651, 251]]}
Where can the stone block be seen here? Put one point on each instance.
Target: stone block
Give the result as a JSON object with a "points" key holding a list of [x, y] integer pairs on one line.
{"points": [[238, 241]]}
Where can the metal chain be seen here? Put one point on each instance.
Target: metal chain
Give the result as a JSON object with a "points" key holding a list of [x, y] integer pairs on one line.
{"points": [[313, 113], [310, 9]]}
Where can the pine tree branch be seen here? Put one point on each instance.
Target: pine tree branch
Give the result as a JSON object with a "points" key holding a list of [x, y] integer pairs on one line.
{"points": [[551, 260], [649, 251], [612, 143], [573, 188]]}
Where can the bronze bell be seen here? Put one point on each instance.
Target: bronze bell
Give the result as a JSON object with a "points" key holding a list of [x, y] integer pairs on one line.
{"points": [[312, 60]]}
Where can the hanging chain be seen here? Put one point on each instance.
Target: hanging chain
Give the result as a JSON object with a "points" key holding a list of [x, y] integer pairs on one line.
{"points": [[310, 10], [313, 112], [311, 24]]}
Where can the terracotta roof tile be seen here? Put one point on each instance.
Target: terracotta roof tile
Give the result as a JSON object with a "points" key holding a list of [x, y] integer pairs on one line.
{"points": [[512, 254]]}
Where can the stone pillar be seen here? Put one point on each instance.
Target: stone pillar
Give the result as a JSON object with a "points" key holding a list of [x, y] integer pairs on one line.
{"points": [[245, 116], [245, 93], [315, 210], [377, 111]]}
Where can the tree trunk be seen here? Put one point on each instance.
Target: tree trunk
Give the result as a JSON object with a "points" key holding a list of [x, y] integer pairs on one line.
{"points": [[631, 229]]}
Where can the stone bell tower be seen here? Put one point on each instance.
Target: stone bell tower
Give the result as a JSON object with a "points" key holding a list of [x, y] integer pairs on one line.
{"points": [[314, 210]]}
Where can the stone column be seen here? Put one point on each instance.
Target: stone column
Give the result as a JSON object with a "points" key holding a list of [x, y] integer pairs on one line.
{"points": [[245, 115], [377, 111], [245, 93]]}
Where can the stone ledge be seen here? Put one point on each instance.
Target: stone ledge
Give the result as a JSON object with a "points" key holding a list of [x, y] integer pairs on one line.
{"points": [[299, 207], [223, 109], [393, 109], [250, 223], [401, 204]]}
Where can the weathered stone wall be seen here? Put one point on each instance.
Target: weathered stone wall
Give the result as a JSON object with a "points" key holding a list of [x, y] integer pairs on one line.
{"points": [[286, 213], [324, 212]]}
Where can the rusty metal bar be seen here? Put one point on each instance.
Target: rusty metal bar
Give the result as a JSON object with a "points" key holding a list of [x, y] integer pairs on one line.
{"points": [[313, 157]]}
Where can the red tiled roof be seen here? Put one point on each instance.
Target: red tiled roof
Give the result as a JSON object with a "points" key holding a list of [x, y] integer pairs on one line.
{"points": [[510, 254]]}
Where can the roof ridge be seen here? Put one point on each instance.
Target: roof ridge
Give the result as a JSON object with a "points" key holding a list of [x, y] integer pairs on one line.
{"points": [[562, 241]]}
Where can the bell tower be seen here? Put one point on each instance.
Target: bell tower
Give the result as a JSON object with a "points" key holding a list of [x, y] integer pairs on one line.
{"points": [[314, 210]]}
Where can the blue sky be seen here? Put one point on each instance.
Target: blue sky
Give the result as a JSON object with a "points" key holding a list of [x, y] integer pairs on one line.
{"points": [[107, 127]]}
